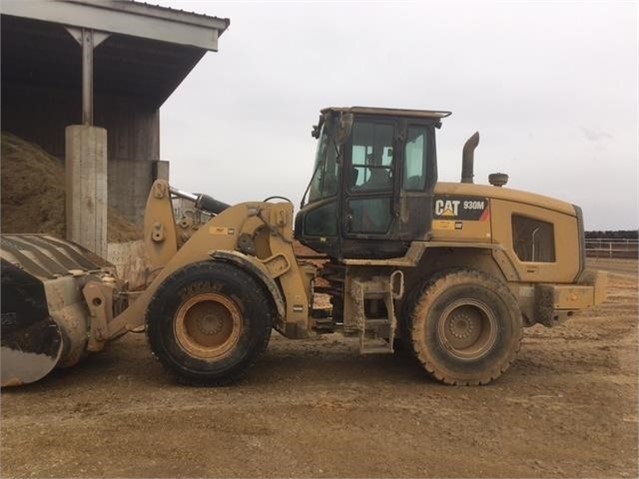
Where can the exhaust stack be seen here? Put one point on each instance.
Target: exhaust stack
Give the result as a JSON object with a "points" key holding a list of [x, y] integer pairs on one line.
{"points": [[468, 158]]}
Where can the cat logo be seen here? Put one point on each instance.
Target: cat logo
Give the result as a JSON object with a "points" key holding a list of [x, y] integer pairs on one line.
{"points": [[447, 207], [466, 208]]}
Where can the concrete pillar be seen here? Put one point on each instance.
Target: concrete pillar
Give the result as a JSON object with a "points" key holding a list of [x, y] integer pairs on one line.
{"points": [[86, 187], [161, 170]]}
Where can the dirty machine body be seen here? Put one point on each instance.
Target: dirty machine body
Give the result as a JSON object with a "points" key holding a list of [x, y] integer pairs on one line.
{"points": [[450, 273]]}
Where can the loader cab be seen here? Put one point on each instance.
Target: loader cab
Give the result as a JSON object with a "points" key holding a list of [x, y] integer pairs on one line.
{"points": [[371, 192]]}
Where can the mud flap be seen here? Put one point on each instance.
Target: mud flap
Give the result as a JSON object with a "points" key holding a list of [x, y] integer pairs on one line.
{"points": [[31, 342]]}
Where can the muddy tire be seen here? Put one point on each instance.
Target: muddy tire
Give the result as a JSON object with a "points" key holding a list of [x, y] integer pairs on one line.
{"points": [[466, 327], [208, 322], [403, 345]]}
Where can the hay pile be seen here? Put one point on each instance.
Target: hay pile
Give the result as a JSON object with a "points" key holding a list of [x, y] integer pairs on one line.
{"points": [[32, 194]]}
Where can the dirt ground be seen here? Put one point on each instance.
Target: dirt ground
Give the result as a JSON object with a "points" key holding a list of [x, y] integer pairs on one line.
{"points": [[567, 408]]}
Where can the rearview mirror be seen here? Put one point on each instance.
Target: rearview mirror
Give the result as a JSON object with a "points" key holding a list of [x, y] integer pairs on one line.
{"points": [[315, 133]]}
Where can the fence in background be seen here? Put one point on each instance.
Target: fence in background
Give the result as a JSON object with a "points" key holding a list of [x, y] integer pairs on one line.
{"points": [[612, 248]]}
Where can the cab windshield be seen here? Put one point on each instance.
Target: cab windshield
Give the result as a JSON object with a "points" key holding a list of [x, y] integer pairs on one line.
{"points": [[324, 181]]}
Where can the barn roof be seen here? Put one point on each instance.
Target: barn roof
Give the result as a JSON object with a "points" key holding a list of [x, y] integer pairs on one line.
{"points": [[148, 52]]}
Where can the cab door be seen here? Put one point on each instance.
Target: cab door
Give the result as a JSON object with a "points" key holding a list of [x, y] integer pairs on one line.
{"points": [[387, 193], [369, 200]]}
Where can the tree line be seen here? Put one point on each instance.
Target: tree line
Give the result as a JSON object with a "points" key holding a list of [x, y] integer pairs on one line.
{"points": [[618, 234]]}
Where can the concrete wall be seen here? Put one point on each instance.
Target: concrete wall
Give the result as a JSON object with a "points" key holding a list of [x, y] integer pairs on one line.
{"points": [[40, 115], [130, 262]]}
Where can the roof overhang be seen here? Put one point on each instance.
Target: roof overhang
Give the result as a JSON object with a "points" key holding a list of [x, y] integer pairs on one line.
{"points": [[126, 18], [148, 52]]}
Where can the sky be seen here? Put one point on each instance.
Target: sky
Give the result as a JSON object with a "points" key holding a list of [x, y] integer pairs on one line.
{"points": [[552, 88]]}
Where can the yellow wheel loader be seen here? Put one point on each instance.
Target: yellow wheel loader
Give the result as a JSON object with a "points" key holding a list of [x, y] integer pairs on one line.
{"points": [[449, 272]]}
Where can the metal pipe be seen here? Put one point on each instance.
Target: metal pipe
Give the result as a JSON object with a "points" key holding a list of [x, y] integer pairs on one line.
{"points": [[468, 158], [210, 204], [183, 194], [87, 77], [534, 234], [202, 201]]}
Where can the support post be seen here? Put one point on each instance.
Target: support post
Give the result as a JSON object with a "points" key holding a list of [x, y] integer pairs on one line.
{"points": [[88, 39], [87, 77], [86, 160], [161, 170], [86, 187]]}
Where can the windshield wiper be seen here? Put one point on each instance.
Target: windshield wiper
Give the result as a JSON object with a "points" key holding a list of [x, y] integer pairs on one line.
{"points": [[309, 184]]}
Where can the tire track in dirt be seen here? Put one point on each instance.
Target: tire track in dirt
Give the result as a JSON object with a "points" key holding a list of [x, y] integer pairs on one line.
{"points": [[316, 408]]}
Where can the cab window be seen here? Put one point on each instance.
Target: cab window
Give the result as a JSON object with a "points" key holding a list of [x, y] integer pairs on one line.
{"points": [[371, 157], [533, 240], [325, 177], [415, 157]]}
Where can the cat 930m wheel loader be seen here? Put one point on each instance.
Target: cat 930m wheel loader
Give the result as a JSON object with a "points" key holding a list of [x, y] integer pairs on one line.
{"points": [[450, 272]]}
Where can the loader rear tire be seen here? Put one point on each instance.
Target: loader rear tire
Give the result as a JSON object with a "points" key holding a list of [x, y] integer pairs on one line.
{"points": [[466, 327], [208, 322]]}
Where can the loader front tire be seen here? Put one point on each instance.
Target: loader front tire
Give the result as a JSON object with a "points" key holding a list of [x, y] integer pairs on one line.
{"points": [[465, 326], [208, 322]]}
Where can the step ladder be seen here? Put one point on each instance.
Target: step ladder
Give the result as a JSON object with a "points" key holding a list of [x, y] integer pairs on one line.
{"points": [[385, 288]]}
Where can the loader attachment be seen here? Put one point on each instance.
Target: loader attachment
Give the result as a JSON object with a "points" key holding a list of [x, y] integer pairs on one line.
{"points": [[31, 341], [46, 321]]}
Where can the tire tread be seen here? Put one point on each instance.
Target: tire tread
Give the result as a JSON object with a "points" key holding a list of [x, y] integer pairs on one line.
{"points": [[421, 300], [154, 331]]}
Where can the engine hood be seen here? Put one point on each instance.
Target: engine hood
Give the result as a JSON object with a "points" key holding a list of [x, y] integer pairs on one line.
{"points": [[507, 194]]}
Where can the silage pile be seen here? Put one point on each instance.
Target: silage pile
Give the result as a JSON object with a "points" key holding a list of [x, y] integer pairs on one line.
{"points": [[32, 194]]}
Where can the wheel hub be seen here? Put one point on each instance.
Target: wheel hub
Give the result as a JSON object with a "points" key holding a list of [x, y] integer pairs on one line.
{"points": [[461, 326], [467, 328], [208, 325]]}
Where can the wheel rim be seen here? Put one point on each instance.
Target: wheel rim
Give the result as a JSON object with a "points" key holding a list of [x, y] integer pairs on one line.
{"points": [[467, 328], [208, 325]]}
